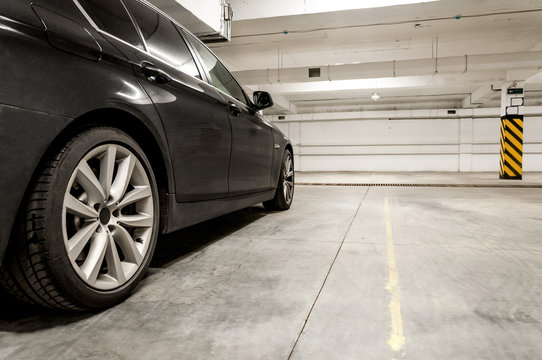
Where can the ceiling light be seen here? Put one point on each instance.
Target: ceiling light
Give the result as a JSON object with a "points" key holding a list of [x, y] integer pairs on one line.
{"points": [[375, 96], [316, 6]]}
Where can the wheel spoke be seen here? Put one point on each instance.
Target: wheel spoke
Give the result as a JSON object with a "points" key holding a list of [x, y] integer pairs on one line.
{"points": [[288, 189], [78, 241], [138, 220], [122, 180], [127, 244], [86, 178], [76, 207], [287, 193], [114, 265], [139, 193], [93, 262], [287, 165], [289, 174], [107, 168]]}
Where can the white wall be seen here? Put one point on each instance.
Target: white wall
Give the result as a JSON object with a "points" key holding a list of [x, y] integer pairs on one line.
{"points": [[406, 140]]}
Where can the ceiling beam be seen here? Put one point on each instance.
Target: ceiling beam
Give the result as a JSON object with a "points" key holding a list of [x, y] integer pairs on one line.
{"points": [[480, 96], [521, 74], [536, 78], [405, 82], [202, 16], [445, 65], [283, 105]]}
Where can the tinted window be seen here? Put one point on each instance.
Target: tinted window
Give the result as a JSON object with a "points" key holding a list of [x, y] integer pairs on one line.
{"points": [[111, 16], [162, 38], [220, 76]]}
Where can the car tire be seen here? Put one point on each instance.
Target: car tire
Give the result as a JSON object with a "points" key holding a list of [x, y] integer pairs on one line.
{"points": [[285, 187], [89, 226]]}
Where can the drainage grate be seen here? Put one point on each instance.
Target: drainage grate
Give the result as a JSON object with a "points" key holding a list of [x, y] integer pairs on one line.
{"points": [[424, 185]]}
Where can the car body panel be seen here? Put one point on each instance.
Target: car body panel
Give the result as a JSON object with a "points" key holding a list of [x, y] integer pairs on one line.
{"points": [[198, 130], [20, 128], [65, 34], [252, 151]]}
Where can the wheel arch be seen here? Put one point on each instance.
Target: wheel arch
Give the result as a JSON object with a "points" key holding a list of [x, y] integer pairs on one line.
{"points": [[148, 138], [291, 148]]}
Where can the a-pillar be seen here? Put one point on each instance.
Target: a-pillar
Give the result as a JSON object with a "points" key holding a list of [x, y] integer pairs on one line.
{"points": [[511, 155]]}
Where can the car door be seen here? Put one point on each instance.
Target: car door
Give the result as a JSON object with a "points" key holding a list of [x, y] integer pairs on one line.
{"points": [[252, 138], [193, 114]]}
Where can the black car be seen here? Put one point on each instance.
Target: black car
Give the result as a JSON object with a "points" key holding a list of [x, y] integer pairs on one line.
{"points": [[117, 124]]}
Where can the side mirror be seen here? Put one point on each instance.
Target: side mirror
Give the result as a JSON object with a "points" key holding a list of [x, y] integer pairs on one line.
{"points": [[262, 100]]}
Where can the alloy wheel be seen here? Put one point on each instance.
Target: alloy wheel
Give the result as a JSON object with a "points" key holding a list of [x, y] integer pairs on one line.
{"points": [[107, 217]]}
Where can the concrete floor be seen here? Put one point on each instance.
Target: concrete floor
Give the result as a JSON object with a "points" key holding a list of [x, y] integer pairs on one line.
{"points": [[346, 273]]}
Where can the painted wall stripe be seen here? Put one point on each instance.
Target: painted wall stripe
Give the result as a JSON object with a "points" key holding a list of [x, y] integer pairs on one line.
{"points": [[516, 131], [516, 143], [509, 146], [513, 153], [508, 171], [512, 164]]}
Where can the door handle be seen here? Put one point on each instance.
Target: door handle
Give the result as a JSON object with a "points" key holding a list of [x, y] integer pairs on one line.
{"points": [[234, 109], [154, 74]]}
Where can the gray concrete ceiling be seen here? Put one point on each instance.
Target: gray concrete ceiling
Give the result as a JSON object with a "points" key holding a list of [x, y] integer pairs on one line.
{"points": [[438, 54]]}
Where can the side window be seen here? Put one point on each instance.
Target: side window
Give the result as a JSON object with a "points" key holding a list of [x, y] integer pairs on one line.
{"points": [[111, 17], [162, 38], [220, 76]]}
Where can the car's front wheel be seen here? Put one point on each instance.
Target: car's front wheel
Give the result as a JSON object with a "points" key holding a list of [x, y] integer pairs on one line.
{"points": [[90, 225]]}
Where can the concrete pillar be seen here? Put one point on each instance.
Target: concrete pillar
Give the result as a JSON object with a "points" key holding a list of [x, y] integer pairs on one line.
{"points": [[511, 154]]}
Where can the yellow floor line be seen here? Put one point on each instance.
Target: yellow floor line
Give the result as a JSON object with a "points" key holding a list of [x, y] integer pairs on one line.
{"points": [[397, 339]]}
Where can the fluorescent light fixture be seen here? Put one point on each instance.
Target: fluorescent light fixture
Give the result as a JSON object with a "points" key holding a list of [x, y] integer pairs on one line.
{"points": [[316, 6], [246, 10], [375, 96]]}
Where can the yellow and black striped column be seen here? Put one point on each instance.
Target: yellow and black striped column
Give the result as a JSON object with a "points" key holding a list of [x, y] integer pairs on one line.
{"points": [[511, 147]]}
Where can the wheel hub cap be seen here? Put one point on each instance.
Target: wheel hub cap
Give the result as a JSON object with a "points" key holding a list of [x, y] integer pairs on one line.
{"points": [[105, 216]]}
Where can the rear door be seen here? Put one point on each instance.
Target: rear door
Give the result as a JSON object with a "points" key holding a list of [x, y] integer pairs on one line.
{"points": [[252, 137], [193, 114]]}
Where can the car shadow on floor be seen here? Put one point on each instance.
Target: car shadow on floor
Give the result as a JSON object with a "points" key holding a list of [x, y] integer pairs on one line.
{"points": [[179, 244], [170, 248]]}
